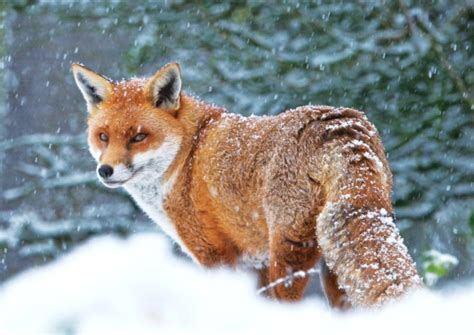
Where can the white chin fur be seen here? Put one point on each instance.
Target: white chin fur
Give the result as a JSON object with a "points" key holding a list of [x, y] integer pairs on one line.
{"points": [[111, 185]]}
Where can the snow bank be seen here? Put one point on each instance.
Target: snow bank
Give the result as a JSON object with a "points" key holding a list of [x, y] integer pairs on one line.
{"points": [[136, 286]]}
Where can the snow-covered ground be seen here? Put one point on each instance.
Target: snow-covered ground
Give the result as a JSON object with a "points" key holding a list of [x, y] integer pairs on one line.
{"points": [[136, 286]]}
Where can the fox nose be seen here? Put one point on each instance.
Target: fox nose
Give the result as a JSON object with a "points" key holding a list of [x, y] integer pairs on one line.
{"points": [[105, 171]]}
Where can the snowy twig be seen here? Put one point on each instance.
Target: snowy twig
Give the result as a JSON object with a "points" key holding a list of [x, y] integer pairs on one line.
{"points": [[35, 139], [436, 39], [288, 280], [455, 76], [66, 181], [411, 24], [28, 228]]}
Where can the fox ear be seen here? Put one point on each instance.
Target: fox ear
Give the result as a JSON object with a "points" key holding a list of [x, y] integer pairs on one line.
{"points": [[93, 86], [164, 87]]}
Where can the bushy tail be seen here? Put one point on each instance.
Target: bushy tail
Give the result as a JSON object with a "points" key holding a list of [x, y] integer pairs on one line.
{"points": [[355, 228]]}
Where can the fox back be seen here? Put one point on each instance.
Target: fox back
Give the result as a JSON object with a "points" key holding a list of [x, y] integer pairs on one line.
{"points": [[278, 193]]}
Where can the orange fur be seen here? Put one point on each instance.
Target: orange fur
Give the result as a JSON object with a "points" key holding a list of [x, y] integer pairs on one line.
{"points": [[284, 190]]}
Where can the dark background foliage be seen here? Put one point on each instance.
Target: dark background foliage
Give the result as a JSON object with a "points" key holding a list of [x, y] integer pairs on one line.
{"points": [[408, 64]]}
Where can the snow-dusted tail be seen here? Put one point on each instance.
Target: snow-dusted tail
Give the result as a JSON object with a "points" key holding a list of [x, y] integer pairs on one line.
{"points": [[355, 229]]}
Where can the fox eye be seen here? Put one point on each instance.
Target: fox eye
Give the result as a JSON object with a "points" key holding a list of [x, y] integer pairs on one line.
{"points": [[103, 137], [138, 137]]}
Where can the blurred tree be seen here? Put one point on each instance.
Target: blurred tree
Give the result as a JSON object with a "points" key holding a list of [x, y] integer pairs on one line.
{"points": [[3, 12]]}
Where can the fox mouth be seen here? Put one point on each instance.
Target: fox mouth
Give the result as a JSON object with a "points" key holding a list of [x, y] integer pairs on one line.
{"points": [[118, 183]]}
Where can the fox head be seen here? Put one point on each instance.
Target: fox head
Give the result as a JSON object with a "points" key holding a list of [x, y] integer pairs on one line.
{"points": [[133, 131]]}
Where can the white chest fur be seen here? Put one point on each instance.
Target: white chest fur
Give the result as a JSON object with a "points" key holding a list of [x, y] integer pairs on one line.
{"points": [[149, 190], [149, 194]]}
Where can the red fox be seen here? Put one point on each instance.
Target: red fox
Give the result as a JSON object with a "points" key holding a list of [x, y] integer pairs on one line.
{"points": [[276, 192]]}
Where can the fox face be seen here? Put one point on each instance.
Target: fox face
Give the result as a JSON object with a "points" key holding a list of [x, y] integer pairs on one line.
{"points": [[133, 132]]}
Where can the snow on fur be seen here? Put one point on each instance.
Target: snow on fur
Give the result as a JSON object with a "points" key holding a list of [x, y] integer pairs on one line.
{"points": [[113, 286]]}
